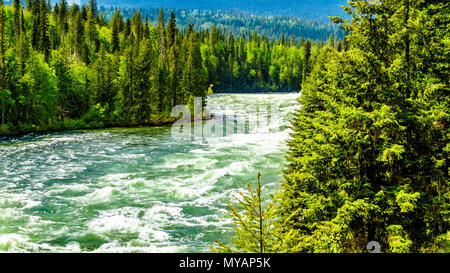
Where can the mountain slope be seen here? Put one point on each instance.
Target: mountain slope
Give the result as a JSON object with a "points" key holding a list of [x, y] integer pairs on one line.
{"points": [[317, 9]]}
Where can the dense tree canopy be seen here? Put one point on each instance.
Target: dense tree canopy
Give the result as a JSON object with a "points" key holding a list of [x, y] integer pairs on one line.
{"points": [[239, 22], [67, 67], [316, 9], [368, 158]]}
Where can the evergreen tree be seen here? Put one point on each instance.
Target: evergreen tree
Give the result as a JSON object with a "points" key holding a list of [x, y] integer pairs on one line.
{"points": [[36, 33], [99, 84], [193, 81], [17, 6], [44, 40], [161, 35], [306, 60], [115, 33], [104, 79], [367, 160], [93, 9], [5, 94], [171, 30]]}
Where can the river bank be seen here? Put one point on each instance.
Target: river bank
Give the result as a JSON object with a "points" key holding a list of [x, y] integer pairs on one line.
{"points": [[137, 189], [11, 131], [8, 131]]}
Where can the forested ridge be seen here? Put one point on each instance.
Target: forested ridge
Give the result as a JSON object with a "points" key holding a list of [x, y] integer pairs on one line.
{"points": [[238, 22], [313, 9], [67, 67], [368, 158]]}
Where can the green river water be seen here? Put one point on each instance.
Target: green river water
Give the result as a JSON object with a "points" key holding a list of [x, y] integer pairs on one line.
{"points": [[137, 189]]}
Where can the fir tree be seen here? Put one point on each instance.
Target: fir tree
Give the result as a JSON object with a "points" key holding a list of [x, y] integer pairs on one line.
{"points": [[17, 6], [161, 34], [44, 40], [360, 161]]}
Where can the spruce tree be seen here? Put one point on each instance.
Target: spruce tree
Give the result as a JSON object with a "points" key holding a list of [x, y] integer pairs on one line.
{"points": [[93, 9], [36, 26], [62, 19], [17, 11], [4, 93], [115, 33], [161, 34], [306, 60], [44, 39], [368, 157]]}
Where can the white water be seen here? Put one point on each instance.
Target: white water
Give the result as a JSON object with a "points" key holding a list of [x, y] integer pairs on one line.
{"points": [[137, 189]]}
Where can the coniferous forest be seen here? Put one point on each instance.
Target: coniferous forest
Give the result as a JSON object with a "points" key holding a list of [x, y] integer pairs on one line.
{"points": [[367, 147], [67, 67], [239, 22], [368, 159]]}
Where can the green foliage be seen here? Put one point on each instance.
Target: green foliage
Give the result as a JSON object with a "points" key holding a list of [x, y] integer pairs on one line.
{"points": [[134, 71], [368, 158], [254, 224], [238, 22], [66, 68]]}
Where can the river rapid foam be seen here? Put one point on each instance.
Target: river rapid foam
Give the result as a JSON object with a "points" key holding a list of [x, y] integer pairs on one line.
{"points": [[136, 189]]}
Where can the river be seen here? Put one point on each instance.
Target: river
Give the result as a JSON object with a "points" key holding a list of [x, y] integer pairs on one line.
{"points": [[138, 189]]}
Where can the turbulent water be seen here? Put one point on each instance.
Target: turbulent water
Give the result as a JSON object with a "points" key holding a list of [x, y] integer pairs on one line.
{"points": [[137, 189]]}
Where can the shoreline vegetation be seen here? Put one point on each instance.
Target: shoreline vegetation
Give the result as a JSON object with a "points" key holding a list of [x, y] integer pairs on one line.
{"points": [[368, 156], [65, 68], [157, 121], [75, 125]]}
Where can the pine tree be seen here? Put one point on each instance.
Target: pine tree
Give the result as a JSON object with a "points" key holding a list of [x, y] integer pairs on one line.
{"points": [[173, 61], [171, 31], [44, 40], [66, 95], [62, 19], [104, 76], [5, 94], [367, 161], [93, 9], [193, 81], [79, 37], [115, 33], [23, 51], [306, 60], [127, 76], [161, 34], [17, 11], [36, 26], [255, 233], [144, 65]]}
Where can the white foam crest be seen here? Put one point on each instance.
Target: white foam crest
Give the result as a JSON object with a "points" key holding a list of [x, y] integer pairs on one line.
{"points": [[162, 213], [98, 195]]}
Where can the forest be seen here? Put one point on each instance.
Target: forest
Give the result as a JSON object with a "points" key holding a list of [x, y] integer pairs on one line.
{"points": [[368, 159], [368, 153], [313, 9], [238, 22], [67, 67]]}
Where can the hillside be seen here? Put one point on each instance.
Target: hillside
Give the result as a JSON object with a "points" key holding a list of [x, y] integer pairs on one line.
{"points": [[316, 9], [239, 22]]}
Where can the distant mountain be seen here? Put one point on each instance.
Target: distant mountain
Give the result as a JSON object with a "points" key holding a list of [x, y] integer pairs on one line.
{"points": [[239, 22], [315, 9]]}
